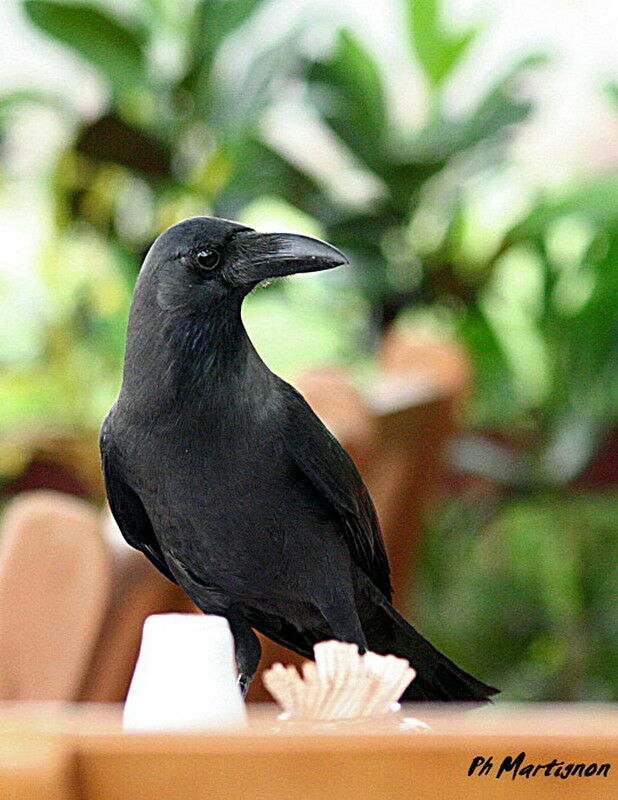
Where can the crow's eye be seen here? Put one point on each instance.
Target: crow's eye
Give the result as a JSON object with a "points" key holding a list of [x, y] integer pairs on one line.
{"points": [[207, 259]]}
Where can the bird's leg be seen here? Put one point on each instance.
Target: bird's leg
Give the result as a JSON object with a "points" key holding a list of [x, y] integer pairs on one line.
{"points": [[248, 648], [343, 620]]}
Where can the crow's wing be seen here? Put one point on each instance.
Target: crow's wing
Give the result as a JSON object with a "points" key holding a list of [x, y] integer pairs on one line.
{"points": [[331, 471], [126, 506]]}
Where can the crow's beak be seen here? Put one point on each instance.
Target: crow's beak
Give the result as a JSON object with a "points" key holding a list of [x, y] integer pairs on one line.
{"points": [[272, 255]]}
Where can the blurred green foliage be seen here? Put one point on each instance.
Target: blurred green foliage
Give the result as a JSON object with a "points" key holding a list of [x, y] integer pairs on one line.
{"points": [[349, 93], [437, 49], [179, 136], [172, 135], [174, 132], [532, 295], [541, 323], [533, 585]]}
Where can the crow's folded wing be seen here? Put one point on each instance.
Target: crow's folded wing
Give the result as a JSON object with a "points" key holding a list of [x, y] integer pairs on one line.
{"points": [[126, 506], [331, 471]]}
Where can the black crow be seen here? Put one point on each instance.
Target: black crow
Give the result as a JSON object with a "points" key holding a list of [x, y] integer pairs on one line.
{"points": [[220, 473]]}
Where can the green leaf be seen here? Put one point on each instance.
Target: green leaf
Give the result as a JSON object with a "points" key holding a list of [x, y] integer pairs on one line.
{"points": [[495, 396], [213, 21], [611, 91], [260, 170], [236, 107], [230, 15], [498, 111], [596, 200], [591, 337], [112, 48], [405, 181], [349, 93], [437, 50], [362, 231]]}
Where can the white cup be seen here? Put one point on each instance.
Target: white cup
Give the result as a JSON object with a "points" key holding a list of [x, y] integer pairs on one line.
{"points": [[185, 676]]}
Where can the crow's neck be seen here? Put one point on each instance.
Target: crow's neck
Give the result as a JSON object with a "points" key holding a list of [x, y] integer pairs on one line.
{"points": [[198, 361]]}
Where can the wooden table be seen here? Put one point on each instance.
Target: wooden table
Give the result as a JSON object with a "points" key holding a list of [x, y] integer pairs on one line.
{"points": [[80, 753]]}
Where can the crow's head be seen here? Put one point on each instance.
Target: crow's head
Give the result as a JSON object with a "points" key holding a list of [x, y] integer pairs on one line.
{"points": [[203, 259]]}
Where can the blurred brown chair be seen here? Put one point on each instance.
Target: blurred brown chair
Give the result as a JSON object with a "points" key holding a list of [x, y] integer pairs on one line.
{"points": [[54, 583], [138, 590], [416, 402], [63, 462]]}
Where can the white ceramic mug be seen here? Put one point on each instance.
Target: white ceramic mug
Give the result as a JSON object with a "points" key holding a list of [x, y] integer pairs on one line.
{"points": [[185, 676]]}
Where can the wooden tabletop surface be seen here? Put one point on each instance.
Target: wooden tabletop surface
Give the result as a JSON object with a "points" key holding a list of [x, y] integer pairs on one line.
{"points": [[81, 753]]}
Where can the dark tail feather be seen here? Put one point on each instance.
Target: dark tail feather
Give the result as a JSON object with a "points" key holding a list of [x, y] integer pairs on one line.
{"points": [[449, 683], [437, 677]]}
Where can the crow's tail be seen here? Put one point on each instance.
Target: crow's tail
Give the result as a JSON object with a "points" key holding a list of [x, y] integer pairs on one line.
{"points": [[437, 677]]}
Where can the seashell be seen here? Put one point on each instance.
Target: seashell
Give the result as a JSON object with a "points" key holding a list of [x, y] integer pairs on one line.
{"points": [[341, 684]]}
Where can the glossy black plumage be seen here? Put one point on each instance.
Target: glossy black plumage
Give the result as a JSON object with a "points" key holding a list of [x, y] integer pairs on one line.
{"points": [[227, 481]]}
